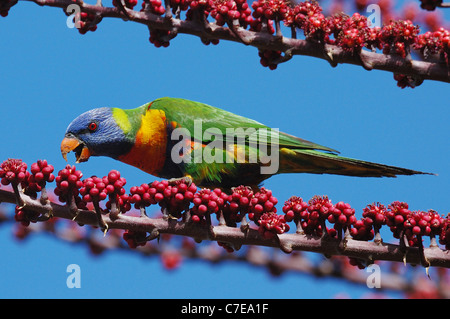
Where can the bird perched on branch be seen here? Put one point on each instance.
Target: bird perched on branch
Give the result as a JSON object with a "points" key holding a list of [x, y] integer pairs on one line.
{"points": [[176, 138]]}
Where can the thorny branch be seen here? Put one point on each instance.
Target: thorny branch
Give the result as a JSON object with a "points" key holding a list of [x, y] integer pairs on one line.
{"points": [[187, 211], [168, 26], [287, 242], [277, 264]]}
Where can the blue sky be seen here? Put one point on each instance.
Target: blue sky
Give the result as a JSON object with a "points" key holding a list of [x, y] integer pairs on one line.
{"points": [[50, 74]]}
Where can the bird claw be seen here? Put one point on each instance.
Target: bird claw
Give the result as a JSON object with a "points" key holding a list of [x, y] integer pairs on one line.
{"points": [[186, 179]]}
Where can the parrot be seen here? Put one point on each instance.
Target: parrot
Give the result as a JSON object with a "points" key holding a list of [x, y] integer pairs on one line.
{"points": [[167, 137]]}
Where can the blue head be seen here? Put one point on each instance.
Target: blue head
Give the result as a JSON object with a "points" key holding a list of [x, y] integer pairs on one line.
{"points": [[95, 133]]}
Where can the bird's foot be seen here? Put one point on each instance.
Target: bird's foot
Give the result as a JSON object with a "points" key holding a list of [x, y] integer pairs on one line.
{"points": [[186, 179]]}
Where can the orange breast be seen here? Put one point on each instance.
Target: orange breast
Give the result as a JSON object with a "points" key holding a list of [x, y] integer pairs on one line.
{"points": [[149, 150]]}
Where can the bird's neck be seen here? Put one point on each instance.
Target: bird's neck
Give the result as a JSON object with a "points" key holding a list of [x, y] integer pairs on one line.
{"points": [[129, 121], [149, 129]]}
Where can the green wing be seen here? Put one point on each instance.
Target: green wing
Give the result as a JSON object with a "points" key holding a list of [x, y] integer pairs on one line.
{"points": [[185, 112]]}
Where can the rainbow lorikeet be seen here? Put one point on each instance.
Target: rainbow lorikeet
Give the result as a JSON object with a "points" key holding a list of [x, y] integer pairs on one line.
{"points": [[177, 138]]}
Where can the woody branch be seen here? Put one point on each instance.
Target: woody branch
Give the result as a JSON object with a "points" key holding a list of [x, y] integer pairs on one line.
{"points": [[235, 236], [352, 44], [348, 237]]}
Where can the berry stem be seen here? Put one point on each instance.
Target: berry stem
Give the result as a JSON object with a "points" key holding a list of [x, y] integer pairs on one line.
{"points": [[168, 14], [100, 222], [114, 211], [221, 219], [293, 32], [433, 242], [142, 211], [378, 240], [278, 27], [17, 192], [300, 230], [44, 196]]}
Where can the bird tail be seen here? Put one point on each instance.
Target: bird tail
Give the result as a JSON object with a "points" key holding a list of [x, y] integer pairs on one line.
{"points": [[316, 162]]}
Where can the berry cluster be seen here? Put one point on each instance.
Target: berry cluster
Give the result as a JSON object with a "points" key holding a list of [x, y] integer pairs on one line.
{"points": [[93, 189], [268, 58], [354, 33], [13, 171], [404, 80], [374, 217], [200, 5], [403, 222], [159, 38], [396, 216], [238, 205], [198, 9], [261, 203], [68, 183], [86, 22], [424, 223], [397, 36], [375, 214], [270, 9], [135, 239], [181, 5], [310, 217], [116, 191], [319, 209], [295, 209], [140, 196], [437, 42], [154, 6], [362, 230], [174, 197], [25, 216], [207, 202], [303, 13], [342, 216], [271, 224], [262, 25], [130, 4], [41, 172], [308, 17], [444, 236], [224, 11]]}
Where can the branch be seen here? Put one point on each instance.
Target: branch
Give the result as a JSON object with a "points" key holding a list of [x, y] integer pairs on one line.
{"points": [[173, 251], [316, 44], [236, 237], [187, 212]]}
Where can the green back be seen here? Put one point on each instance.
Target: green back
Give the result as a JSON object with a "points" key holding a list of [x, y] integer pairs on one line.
{"points": [[185, 112]]}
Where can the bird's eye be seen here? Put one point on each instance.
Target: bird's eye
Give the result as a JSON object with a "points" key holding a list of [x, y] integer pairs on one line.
{"points": [[92, 126]]}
